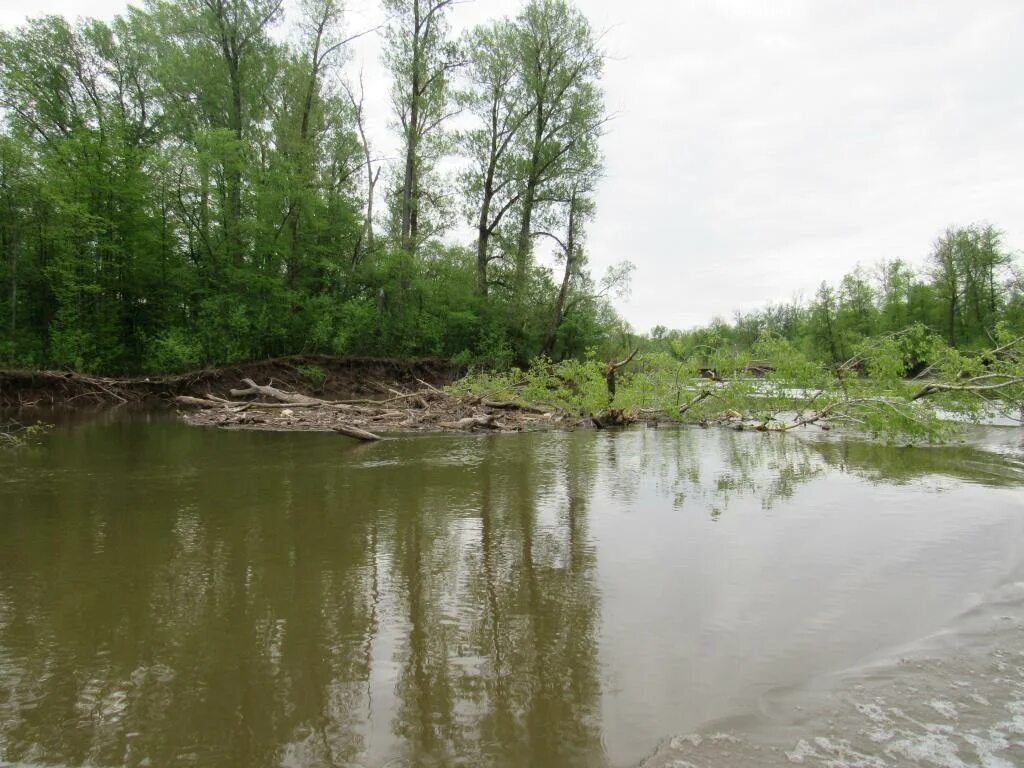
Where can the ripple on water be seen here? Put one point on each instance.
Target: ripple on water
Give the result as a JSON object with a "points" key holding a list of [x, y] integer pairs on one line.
{"points": [[951, 706]]}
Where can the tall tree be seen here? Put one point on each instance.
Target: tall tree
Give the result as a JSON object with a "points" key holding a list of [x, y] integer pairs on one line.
{"points": [[561, 67], [578, 207], [371, 168], [493, 183], [239, 28], [421, 59], [967, 267]]}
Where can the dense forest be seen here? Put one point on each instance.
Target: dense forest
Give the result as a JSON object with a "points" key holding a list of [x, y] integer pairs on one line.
{"points": [[194, 183]]}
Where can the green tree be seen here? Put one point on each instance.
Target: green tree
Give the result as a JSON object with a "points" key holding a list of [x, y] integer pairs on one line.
{"points": [[421, 59], [493, 183], [561, 69], [968, 268]]}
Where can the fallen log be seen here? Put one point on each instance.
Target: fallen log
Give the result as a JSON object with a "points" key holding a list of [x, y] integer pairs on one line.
{"points": [[434, 389], [291, 398], [356, 432], [216, 402], [196, 402], [469, 422], [503, 405]]}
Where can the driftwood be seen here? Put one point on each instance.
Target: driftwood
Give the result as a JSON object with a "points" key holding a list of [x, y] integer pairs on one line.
{"points": [[346, 377], [469, 422], [356, 432], [613, 417], [429, 408], [197, 402], [291, 398], [509, 406]]}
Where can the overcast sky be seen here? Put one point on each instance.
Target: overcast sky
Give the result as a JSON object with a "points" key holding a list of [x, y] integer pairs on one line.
{"points": [[761, 147]]}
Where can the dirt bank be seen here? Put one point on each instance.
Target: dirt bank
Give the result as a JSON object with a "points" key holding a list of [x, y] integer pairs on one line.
{"points": [[327, 377]]}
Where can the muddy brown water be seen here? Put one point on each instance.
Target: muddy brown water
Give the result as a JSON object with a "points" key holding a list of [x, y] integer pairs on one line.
{"points": [[177, 596]]}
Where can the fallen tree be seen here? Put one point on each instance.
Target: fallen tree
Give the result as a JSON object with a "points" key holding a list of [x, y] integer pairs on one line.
{"points": [[14, 434], [871, 392]]}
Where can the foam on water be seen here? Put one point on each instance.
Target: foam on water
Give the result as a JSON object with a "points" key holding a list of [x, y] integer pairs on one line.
{"points": [[957, 702]]}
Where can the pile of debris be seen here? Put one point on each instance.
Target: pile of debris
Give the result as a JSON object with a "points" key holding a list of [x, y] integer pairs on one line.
{"points": [[427, 409]]}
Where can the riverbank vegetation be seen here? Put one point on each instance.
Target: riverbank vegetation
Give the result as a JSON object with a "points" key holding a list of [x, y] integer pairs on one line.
{"points": [[194, 184], [774, 386]]}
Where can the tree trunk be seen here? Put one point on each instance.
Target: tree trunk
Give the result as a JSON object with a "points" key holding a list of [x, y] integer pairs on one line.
{"points": [[952, 319], [371, 177], [252, 388], [409, 184], [371, 185], [483, 238], [356, 432], [234, 174], [12, 247], [563, 291], [525, 244]]}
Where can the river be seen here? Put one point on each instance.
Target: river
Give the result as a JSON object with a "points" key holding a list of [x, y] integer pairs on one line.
{"points": [[178, 596]]}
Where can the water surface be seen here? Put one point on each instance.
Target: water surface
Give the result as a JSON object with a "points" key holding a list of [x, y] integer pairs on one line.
{"points": [[174, 596]]}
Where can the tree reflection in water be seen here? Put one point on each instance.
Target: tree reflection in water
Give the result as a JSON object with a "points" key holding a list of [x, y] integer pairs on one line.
{"points": [[172, 596]]}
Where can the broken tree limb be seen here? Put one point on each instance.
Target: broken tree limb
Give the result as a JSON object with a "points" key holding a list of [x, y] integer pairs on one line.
{"points": [[434, 389], [216, 402], [615, 366], [972, 385], [359, 434], [292, 398], [195, 402], [612, 367], [502, 405], [484, 420], [702, 396]]}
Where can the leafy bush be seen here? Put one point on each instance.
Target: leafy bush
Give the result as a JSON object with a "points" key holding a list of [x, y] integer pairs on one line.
{"points": [[173, 350], [315, 375]]}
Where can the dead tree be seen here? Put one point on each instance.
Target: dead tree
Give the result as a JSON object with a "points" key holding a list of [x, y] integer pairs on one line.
{"points": [[609, 373]]}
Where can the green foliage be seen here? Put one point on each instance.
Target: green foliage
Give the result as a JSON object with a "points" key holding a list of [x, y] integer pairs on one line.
{"points": [[174, 351], [314, 375], [969, 286], [575, 386], [13, 434], [777, 387], [168, 202]]}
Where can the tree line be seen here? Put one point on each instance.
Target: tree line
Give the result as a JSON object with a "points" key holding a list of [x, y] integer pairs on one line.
{"points": [[182, 187], [969, 292]]}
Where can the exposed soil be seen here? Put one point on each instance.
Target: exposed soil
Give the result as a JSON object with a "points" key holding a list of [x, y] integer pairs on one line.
{"points": [[342, 378]]}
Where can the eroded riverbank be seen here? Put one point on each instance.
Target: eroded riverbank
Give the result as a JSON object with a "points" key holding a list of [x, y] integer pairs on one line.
{"points": [[331, 377]]}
